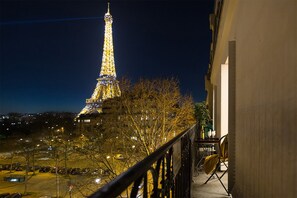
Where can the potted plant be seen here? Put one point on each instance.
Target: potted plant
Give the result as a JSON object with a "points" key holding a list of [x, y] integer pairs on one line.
{"points": [[202, 116]]}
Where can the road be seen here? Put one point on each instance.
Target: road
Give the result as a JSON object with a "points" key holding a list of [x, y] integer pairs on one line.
{"points": [[45, 184]]}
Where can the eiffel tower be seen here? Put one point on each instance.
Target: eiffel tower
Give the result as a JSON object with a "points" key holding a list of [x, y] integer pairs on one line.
{"points": [[107, 85]]}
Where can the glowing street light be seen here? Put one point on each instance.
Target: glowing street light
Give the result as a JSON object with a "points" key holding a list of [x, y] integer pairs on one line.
{"points": [[97, 180]]}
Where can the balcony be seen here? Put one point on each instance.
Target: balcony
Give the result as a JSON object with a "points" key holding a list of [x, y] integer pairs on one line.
{"points": [[212, 189], [168, 172]]}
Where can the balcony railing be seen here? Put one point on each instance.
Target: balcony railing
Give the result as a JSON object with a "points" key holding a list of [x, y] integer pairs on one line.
{"points": [[167, 172]]}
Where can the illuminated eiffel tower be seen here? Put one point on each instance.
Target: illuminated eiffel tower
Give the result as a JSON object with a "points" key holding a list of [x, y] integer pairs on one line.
{"points": [[107, 85]]}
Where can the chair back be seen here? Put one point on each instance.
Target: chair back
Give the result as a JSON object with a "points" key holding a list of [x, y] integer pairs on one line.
{"points": [[224, 147]]}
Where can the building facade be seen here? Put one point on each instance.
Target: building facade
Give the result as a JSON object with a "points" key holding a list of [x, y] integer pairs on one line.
{"points": [[252, 93]]}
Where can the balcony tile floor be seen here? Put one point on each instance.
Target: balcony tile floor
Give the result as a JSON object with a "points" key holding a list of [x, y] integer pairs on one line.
{"points": [[213, 188]]}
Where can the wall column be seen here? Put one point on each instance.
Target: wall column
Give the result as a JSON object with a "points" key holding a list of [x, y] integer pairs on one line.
{"points": [[232, 116]]}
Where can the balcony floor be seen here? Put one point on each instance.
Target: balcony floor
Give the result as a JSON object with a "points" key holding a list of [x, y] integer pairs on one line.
{"points": [[213, 188]]}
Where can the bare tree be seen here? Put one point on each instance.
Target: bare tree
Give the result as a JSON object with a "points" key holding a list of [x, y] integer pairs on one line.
{"points": [[27, 151], [148, 114], [60, 146]]}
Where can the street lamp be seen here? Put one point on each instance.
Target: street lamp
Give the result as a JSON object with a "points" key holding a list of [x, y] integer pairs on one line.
{"points": [[97, 180]]}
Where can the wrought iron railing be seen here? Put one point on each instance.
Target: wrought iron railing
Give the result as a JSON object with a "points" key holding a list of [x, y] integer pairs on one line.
{"points": [[167, 172]]}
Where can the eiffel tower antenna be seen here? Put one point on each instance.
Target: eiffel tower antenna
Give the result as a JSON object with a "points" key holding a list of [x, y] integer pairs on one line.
{"points": [[108, 7], [107, 85]]}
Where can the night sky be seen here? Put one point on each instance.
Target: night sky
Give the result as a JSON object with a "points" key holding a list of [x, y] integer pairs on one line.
{"points": [[50, 51]]}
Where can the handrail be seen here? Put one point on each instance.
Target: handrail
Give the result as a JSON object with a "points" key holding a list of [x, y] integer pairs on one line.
{"points": [[124, 180]]}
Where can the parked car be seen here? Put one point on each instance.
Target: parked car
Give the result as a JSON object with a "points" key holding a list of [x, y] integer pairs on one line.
{"points": [[6, 166], [75, 171], [19, 168], [64, 171], [85, 171], [44, 169], [95, 172], [53, 170]]}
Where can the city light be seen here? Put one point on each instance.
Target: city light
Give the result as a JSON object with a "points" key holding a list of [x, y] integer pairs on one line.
{"points": [[97, 180]]}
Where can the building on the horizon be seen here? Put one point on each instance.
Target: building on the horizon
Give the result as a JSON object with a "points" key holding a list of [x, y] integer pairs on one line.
{"points": [[107, 85]]}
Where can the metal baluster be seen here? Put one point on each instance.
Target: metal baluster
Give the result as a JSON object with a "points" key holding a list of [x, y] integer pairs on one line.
{"points": [[135, 187]]}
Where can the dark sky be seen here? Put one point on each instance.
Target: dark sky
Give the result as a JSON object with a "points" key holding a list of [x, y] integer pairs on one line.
{"points": [[50, 51]]}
